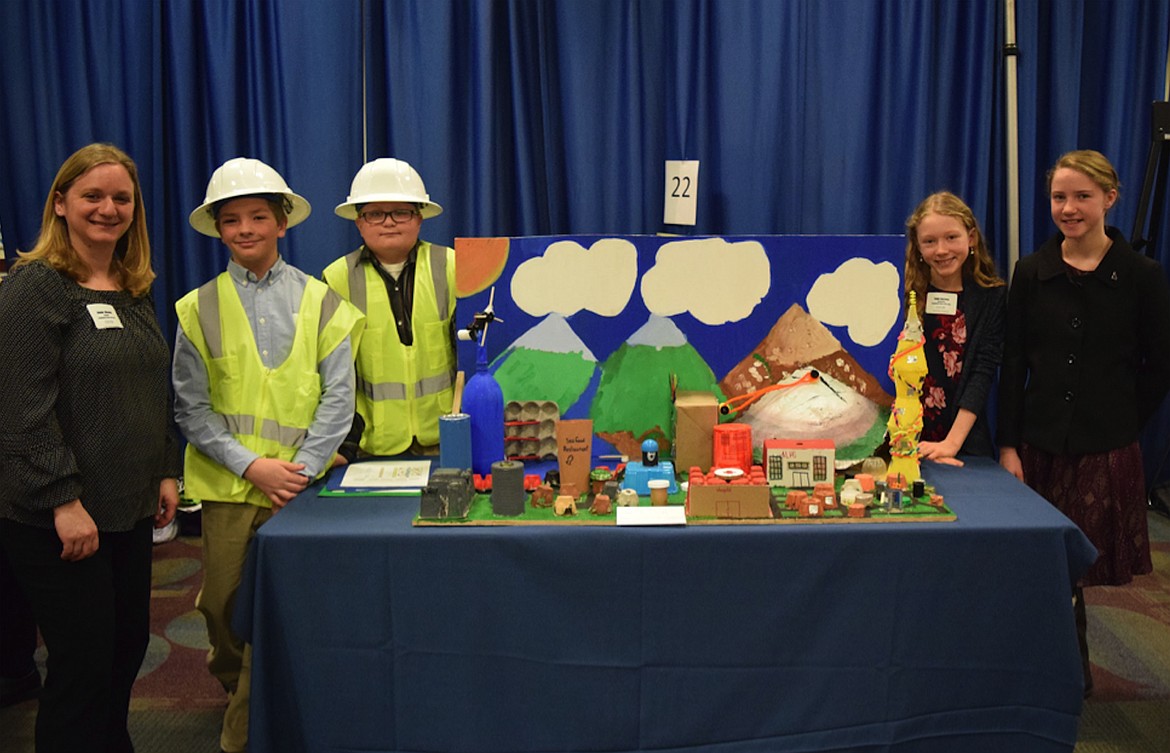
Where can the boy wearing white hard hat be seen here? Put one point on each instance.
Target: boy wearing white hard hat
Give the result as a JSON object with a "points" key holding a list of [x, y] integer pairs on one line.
{"points": [[406, 288], [264, 392]]}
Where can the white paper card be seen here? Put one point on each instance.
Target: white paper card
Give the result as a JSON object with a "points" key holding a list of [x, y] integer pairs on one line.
{"points": [[667, 515], [387, 474], [104, 316], [942, 304], [682, 191]]}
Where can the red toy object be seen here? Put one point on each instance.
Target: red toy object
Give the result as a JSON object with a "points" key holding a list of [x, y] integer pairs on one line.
{"points": [[811, 507], [826, 494], [483, 484], [732, 446]]}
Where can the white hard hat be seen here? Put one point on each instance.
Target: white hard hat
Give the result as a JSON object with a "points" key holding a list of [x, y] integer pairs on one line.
{"points": [[387, 179], [242, 176]]}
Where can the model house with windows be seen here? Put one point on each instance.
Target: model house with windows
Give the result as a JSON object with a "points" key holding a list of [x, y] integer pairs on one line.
{"points": [[799, 463]]}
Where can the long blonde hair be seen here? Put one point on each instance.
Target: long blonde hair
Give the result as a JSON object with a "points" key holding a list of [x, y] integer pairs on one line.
{"points": [[132, 253], [978, 266]]}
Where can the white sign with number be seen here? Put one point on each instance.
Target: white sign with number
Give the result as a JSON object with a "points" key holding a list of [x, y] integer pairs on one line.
{"points": [[682, 189]]}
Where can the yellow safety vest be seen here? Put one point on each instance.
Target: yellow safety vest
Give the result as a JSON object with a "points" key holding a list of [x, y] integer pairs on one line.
{"points": [[402, 390], [267, 410]]}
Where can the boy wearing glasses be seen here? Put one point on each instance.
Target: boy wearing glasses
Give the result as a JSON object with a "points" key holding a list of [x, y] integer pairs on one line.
{"points": [[406, 289]]}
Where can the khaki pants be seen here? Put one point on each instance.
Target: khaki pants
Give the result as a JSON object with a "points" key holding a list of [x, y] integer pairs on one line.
{"points": [[227, 529]]}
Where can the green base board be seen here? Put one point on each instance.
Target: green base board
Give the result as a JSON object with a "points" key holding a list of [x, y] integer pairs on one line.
{"points": [[481, 514]]}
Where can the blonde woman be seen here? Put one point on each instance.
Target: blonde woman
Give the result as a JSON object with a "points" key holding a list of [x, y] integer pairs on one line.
{"points": [[89, 463]]}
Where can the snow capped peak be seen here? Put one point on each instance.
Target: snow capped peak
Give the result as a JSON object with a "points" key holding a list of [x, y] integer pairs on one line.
{"points": [[553, 335], [659, 332]]}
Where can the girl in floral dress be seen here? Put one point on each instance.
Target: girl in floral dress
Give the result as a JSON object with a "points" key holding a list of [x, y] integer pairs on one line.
{"points": [[961, 302]]}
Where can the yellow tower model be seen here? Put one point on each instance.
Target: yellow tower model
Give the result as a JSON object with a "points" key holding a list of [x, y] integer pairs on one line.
{"points": [[908, 370]]}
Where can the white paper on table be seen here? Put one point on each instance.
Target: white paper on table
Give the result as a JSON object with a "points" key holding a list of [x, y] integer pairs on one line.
{"points": [[387, 474], [668, 515]]}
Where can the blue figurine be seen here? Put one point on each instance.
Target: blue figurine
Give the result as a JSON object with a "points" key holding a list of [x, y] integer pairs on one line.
{"points": [[639, 474]]}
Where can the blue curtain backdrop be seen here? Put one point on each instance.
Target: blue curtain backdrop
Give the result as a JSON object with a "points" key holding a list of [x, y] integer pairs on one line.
{"points": [[531, 118]]}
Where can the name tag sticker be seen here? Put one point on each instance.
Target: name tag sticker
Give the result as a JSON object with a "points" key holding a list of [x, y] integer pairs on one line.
{"points": [[104, 316], [946, 304]]}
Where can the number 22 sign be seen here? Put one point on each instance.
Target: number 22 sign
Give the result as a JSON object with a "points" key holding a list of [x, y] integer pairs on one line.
{"points": [[682, 184]]}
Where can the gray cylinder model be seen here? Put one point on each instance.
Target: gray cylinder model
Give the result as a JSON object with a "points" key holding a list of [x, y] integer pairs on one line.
{"points": [[507, 488]]}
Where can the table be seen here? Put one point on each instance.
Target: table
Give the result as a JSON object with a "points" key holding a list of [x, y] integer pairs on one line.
{"points": [[369, 634]]}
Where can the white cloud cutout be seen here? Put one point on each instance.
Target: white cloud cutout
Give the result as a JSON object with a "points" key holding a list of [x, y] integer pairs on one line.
{"points": [[715, 280], [860, 295], [569, 278]]}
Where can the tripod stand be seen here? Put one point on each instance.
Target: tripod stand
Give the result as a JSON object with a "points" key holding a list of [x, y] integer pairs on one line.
{"points": [[1154, 195], [1157, 164]]}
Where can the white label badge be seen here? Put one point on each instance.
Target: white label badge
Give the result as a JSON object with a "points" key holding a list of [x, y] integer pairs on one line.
{"points": [[682, 190], [104, 316], [945, 304]]}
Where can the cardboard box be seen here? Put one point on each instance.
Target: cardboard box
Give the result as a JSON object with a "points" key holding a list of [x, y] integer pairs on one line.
{"points": [[695, 416], [729, 501]]}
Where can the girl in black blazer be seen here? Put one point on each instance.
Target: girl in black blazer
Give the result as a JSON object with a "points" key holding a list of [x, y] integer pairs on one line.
{"points": [[1086, 363]]}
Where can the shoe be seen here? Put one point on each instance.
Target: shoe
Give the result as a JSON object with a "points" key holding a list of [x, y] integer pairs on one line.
{"points": [[20, 689], [167, 532]]}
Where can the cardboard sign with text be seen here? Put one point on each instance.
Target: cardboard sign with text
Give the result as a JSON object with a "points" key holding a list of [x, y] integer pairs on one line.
{"points": [[575, 454]]}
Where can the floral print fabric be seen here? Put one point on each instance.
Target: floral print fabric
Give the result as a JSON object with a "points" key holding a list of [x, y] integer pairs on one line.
{"points": [[946, 344]]}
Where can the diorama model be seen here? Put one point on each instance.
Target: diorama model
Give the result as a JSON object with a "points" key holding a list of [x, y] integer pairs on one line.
{"points": [[797, 477]]}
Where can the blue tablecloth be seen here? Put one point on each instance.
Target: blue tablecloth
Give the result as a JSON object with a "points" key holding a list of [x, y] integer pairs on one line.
{"points": [[371, 635]]}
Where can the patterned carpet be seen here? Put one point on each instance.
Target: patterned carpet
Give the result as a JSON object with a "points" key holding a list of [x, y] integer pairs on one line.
{"points": [[1129, 644], [177, 705], [174, 674], [1129, 629]]}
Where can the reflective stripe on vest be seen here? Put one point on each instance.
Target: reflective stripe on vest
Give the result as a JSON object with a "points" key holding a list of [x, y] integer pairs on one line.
{"points": [[209, 318], [397, 390], [438, 259], [288, 436], [358, 297], [401, 390], [268, 411]]}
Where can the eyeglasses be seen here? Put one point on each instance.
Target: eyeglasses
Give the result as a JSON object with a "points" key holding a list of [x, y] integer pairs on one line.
{"points": [[377, 216]]}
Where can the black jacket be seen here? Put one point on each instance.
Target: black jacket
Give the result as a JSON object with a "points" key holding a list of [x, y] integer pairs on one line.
{"points": [[1086, 356], [984, 311]]}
